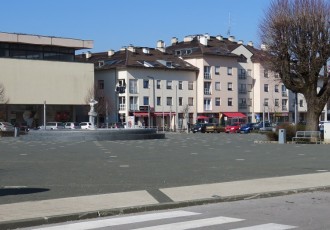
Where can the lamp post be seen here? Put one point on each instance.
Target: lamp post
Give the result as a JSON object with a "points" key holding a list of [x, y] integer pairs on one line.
{"points": [[153, 97]]}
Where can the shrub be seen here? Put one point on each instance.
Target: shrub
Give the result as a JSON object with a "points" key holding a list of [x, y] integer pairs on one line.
{"points": [[290, 131]]}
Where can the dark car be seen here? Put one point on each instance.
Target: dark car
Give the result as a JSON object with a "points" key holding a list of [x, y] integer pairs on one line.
{"points": [[199, 127], [247, 128]]}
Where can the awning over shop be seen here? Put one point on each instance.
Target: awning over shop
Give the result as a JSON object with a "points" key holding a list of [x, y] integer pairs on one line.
{"points": [[202, 117], [141, 114], [160, 114], [234, 115]]}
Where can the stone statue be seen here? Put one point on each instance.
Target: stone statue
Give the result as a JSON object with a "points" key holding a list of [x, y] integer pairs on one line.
{"points": [[92, 114]]}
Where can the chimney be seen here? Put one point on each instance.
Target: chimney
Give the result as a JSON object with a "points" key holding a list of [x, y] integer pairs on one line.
{"points": [[161, 46], [219, 37], [231, 38], [188, 38], [207, 36], [203, 40], [88, 54], [250, 43], [240, 42], [263, 47], [174, 40], [110, 53], [145, 50], [131, 48]]}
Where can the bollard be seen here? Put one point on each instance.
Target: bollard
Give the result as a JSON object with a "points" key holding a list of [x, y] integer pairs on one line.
{"points": [[281, 136]]}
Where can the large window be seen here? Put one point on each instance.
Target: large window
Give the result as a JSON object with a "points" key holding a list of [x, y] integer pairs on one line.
{"points": [[230, 102], [145, 100], [100, 84], [159, 101], [168, 84], [169, 101], [276, 88], [266, 73], [190, 85], [217, 86], [217, 70], [230, 86], [180, 101], [133, 86], [229, 70], [180, 84], [217, 101], [266, 89], [190, 101], [145, 84], [158, 84]]}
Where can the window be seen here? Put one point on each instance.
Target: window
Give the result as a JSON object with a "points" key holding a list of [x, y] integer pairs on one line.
{"points": [[249, 87], [133, 86], [276, 88], [169, 101], [230, 102], [133, 103], [242, 88], [180, 84], [180, 101], [301, 103], [145, 84], [158, 84], [217, 86], [190, 85], [241, 74], [277, 102], [190, 101], [101, 84], [168, 84], [265, 87], [266, 102], [145, 100], [230, 86], [266, 73], [207, 74], [217, 70], [207, 104], [229, 70], [159, 101], [217, 101]]}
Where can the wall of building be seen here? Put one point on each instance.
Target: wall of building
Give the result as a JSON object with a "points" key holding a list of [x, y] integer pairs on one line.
{"points": [[34, 81]]}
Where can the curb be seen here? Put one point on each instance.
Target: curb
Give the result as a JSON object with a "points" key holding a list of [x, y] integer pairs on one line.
{"points": [[24, 223]]}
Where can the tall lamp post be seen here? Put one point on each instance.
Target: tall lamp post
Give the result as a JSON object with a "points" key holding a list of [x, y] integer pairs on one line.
{"points": [[153, 97]]}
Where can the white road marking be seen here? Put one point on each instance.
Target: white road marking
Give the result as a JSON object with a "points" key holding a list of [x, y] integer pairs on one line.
{"points": [[119, 221], [193, 224], [268, 227]]}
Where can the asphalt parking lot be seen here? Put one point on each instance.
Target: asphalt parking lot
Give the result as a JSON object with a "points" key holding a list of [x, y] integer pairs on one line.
{"points": [[39, 170]]}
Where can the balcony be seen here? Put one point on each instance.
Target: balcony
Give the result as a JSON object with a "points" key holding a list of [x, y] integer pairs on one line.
{"points": [[133, 90], [207, 108], [207, 91], [133, 107], [122, 107], [242, 106], [207, 75], [241, 76]]}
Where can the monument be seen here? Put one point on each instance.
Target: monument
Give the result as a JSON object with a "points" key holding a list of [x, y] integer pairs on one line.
{"points": [[92, 114]]}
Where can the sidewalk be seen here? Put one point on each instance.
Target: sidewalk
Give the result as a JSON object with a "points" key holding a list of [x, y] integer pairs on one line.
{"points": [[74, 208]]}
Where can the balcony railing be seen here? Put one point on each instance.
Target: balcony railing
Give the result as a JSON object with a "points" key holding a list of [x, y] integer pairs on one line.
{"points": [[207, 108], [241, 76], [133, 107], [207, 75], [207, 91], [242, 106], [122, 107], [284, 94], [133, 90]]}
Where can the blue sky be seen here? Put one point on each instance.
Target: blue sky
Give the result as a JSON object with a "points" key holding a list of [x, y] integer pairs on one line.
{"points": [[112, 24]]}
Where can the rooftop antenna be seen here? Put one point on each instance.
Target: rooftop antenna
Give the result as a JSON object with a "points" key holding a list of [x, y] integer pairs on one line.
{"points": [[229, 25]]}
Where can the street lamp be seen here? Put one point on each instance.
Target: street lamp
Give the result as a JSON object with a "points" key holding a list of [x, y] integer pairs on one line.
{"points": [[153, 97]]}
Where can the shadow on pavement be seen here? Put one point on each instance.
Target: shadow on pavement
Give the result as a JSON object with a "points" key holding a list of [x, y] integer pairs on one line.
{"points": [[20, 191]]}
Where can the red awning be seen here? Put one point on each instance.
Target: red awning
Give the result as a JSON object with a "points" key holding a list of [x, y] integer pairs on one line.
{"points": [[202, 117], [159, 114], [234, 115], [141, 114]]}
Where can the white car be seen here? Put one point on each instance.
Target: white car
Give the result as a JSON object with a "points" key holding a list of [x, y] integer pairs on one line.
{"points": [[53, 125], [86, 125], [72, 125], [6, 126]]}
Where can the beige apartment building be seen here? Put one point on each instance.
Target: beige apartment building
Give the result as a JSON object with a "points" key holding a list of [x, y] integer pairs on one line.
{"points": [[233, 83], [40, 70], [148, 85]]}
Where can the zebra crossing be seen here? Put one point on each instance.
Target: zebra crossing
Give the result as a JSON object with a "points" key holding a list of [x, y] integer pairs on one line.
{"points": [[175, 219]]}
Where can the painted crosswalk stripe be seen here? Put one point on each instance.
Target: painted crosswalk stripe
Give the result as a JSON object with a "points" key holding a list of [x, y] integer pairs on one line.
{"points": [[268, 227], [193, 224], [120, 221]]}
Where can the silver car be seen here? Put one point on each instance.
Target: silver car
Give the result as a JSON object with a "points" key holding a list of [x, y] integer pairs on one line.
{"points": [[72, 125], [53, 125], [6, 126]]}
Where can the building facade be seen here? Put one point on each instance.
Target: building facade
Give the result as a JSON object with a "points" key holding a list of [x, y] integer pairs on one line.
{"points": [[41, 70]]}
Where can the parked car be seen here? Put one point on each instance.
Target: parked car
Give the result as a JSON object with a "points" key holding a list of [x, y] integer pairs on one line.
{"points": [[86, 125], [53, 125], [198, 127], [247, 128], [268, 126], [72, 125], [233, 128], [6, 126], [213, 128]]}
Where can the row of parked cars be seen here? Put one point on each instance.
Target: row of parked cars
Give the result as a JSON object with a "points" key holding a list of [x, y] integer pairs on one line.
{"points": [[233, 128], [67, 125]]}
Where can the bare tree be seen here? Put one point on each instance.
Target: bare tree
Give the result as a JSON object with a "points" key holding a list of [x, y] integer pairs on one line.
{"points": [[104, 105], [296, 34], [3, 101], [185, 112]]}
